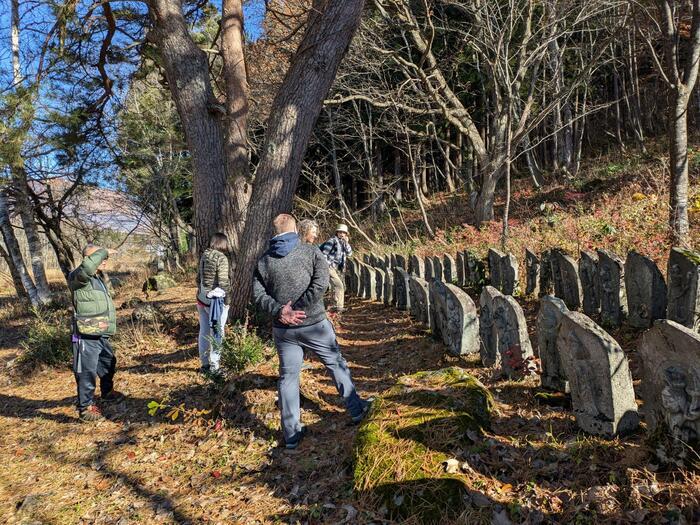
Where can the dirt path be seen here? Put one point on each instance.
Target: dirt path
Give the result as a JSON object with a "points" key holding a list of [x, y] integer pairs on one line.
{"points": [[135, 468]]}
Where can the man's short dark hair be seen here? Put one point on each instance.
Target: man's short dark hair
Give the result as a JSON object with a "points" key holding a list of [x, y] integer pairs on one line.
{"points": [[219, 242]]}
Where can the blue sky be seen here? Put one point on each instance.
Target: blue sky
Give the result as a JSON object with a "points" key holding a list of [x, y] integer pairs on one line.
{"points": [[254, 15]]}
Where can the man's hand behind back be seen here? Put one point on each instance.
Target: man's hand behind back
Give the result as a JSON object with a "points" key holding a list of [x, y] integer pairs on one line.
{"points": [[291, 317]]}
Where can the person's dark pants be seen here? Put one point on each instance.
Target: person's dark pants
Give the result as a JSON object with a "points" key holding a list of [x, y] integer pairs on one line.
{"points": [[93, 357], [320, 339]]}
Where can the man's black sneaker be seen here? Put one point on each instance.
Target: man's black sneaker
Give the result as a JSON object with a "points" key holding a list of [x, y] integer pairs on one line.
{"points": [[358, 418], [294, 442]]}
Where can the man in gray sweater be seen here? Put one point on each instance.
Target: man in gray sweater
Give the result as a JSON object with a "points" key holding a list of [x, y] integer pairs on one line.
{"points": [[289, 284]]}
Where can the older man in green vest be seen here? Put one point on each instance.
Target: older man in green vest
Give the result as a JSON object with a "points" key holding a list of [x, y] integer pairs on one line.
{"points": [[94, 322]]}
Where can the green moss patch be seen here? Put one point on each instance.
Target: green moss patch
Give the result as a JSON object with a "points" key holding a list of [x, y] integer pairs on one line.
{"points": [[399, 450]]}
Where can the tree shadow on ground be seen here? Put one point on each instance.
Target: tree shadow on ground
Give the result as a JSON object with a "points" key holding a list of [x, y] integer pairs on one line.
{"points": [[161, 504], [155, 363], [21, 408]]}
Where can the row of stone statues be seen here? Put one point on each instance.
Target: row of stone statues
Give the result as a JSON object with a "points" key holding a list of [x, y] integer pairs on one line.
{"points": [[576, 355], [600, 283]]}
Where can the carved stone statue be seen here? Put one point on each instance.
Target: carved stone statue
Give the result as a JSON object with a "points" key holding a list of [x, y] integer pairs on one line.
{"points": [[514, 345], [549, 317], [453, 318], [646, 291], [684, 288], [419, 298], [487, 329], [401, 291], [495, 275], [670, 358], [600, 381], [588, 272], [416, 266], [611, 279], [532, 270]]}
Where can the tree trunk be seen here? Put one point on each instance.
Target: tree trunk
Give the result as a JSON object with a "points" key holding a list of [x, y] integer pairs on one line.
{"points": [[334, 159], [16, 277], [449, 180], [420, 158], [19, 174], [12, 245], [187, 72], [238, 187], [413, 160], [490, 176], [293, 114], [398, 179], [493, 170], [36, 251], [64, 256], [379, 204], [678, 147]]}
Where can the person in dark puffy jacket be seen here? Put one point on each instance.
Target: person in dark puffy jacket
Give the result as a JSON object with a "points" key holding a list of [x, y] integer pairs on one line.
{"points": [[213, 285], [94, 322]]}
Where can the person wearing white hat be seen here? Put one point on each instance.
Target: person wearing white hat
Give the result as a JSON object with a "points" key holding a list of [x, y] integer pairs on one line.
{"points": [[337, 249]]}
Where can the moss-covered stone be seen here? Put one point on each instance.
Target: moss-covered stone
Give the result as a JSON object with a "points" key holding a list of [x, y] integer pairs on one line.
{"points": [[411, 431], [159, 282]]}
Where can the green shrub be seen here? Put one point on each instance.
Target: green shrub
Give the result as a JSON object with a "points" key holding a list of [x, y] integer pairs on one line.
{"points": [[48, 340], [240, 349]]}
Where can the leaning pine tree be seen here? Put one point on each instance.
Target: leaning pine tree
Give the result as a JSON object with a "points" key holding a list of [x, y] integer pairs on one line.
{"points": [[226, 198]]}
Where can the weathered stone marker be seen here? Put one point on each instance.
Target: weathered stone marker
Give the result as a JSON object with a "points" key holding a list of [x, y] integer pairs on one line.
{"points": [[532, 271], [599, 377], [588, 272], [487, 329], [514, 344], [509, 274], [546, 280], [495, 275], [388, 294], [454, 318], [684, 288], [670, 387], [449, 269], [369, 279], [461, 266], [548, 318], [567, 285], [437, 268], [401, 288], [475, 271], [380, 276], [419, 298], [400, 261], [354, 270], [611, 278], [416, 266], [429, 269], [646, 291]]}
